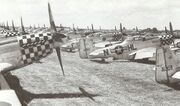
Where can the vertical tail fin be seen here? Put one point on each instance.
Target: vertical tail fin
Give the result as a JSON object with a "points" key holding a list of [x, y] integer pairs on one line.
{"points": [[121, 30], [166, 65], [86, 46], [171, 28]]}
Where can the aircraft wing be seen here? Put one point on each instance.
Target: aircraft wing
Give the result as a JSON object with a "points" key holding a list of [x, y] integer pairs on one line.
{"points": [[147, 52], [3, 83], [175, 49], [9, 98], [176, 75], [5, 66], [144, 53]]}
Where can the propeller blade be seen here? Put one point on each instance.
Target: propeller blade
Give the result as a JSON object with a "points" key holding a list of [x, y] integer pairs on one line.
{"points": [[59, 58], [56, 36], [92, 26], [13, 26], [7, 26], [166, 31], [172, 33], [137, 29], [22, 26], [51, 20], [121, 30], [171, 28]]}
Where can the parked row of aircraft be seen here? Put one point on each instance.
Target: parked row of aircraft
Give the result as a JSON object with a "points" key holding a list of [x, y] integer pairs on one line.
{"points": [[19, 48], [161, 48], [155, 47]]}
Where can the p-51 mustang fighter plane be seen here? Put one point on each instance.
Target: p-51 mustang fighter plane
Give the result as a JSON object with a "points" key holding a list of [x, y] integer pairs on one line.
{"points": [[166, 69], [9, 36], [134, 47], [26, 50], [11, 33], [71, 45]]}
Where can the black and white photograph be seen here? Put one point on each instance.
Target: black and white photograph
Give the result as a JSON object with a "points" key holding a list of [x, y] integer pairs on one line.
{"points": [[89, 53]]}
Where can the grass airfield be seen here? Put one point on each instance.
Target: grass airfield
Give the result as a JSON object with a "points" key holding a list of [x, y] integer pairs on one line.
{"points": [[114, 83]]}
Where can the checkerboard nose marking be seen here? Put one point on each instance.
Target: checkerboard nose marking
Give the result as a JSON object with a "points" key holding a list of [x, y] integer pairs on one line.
{"points": [[166, 39], [35, 46]]}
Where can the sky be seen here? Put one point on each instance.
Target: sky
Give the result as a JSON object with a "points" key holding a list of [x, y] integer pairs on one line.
{"points": [[83, 13]]}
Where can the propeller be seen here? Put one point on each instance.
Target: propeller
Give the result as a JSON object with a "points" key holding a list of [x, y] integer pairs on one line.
{"points": [[137, 30], [7, 26], [92, 26], [13, 26], [171, 32], [59, 58], [115, 28], [22, 28], [121, 30], [166, 31], [56, 37]]}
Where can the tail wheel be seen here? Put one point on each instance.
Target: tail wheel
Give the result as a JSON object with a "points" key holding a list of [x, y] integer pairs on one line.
{"points": [[72, 45], [178, 44], [70, 50]]}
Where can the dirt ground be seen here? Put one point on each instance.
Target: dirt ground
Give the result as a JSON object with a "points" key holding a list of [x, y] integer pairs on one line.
{"points": [[91, 83]]}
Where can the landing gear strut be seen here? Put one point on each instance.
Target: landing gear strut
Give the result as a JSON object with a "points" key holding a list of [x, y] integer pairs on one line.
{"points": [[102, 59]]}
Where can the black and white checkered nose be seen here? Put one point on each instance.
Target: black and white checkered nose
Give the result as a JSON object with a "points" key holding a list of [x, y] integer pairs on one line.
{"points": [[35, 46], [166, 39], [11, 34]]}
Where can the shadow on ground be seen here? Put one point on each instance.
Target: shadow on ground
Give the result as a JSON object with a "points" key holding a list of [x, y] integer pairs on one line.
{"points": [[144, 61], [175, 86], [100, 61], [26, 97]]}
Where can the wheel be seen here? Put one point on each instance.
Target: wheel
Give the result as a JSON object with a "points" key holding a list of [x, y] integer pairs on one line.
{"points": [[103, 60]]}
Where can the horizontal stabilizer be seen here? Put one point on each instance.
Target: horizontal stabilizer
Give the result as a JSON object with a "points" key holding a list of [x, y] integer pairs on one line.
{"points": [[176, 75], [144, 53], [175, 49]]}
